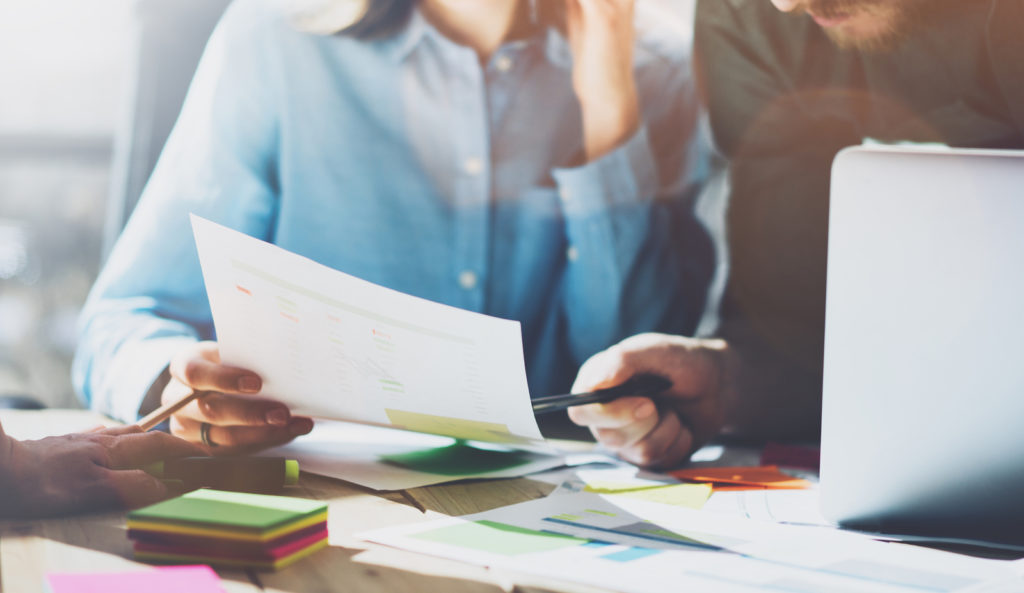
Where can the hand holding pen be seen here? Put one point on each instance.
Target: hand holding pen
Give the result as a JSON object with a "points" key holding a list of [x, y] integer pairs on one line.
{"points": [[659, 430]]}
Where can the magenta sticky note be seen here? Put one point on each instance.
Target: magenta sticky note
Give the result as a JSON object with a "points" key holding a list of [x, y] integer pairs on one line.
{"points": [[171, 579]]}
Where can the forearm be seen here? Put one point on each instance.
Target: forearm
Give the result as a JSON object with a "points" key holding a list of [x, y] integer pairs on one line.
{"points": [[115, 368]]}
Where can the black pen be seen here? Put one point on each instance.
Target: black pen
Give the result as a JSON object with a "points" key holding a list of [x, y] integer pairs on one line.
{"points": [[639, 385]]}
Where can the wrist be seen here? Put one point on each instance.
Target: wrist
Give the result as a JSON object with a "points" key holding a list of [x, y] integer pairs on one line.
{"points": [[10, 494], [608, 124]]}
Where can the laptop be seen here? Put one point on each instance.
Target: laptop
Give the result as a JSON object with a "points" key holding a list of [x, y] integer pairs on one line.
{"points": [[923, 395]]}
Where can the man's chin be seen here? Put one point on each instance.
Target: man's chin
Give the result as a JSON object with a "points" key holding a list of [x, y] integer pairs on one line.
{"points": [[879, 42]]}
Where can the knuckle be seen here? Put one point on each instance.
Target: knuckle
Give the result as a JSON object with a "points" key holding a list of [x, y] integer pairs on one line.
{"points": [[192, 371], [211, 407], [100, 455], [177, 428], [617, 356], [643, 454], [611, 438]]}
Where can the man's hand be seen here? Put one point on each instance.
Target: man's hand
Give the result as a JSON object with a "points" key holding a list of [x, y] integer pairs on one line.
{"points": [[239, 419], [86, 471], [688, 414], [601, 36]]}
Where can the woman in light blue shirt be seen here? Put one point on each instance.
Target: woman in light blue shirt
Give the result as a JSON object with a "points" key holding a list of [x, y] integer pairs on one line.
{"points": [[533, 161]]}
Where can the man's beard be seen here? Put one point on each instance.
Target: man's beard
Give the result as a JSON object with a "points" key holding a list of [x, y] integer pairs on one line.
{"points": [[900, 19]]}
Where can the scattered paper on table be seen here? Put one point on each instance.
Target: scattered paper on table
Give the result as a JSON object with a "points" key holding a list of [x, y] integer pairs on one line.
{"points": [[333, 346], [794, 507], [373, 457], [636, 546], [30, 425]]}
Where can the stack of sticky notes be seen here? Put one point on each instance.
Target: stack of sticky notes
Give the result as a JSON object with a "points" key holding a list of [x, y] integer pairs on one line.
{"points": [[194, 579], [229, 529], [743, 478]]}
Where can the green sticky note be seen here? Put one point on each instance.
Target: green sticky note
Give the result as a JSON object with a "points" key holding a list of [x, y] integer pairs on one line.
{"points": [[237, 510], [458, 459], [499, 538]]}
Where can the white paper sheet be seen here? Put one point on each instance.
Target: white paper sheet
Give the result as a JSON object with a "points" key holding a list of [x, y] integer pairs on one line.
{"points": [[627, 545], [353, 452], [334, 346], [795, 507], [37, 424]]}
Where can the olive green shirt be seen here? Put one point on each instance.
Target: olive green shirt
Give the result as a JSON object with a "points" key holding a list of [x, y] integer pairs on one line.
{"points": [[783, 100]]}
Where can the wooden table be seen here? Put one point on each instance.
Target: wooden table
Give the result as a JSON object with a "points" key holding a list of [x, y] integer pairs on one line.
{"points": [[29, 549]]}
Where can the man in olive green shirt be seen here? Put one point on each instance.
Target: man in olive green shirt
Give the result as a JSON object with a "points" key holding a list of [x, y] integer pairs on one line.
{"points": [[787, 84]]}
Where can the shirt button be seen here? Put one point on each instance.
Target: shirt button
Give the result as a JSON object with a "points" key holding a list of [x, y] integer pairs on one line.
{"points": [[565, 194], [473, 166], [503, 63], [467, 280], [572, 254]]}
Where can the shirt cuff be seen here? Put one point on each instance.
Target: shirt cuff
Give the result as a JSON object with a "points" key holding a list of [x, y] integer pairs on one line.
{"points": [[133, 371], [624, 176]]}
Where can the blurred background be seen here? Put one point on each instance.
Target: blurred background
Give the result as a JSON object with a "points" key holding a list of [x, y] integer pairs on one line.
{"points": [[89, 91], [63, 79]]}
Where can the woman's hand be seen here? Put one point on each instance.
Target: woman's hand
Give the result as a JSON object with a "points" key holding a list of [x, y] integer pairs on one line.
{"points": [[236, 418], [601, 35]]}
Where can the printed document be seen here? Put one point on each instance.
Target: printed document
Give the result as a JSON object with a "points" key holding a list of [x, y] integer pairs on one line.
{"points": [[333, 346]]}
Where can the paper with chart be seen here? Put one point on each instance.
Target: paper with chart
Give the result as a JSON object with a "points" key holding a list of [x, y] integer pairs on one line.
{"points": [[385, 459], [638, 546], [333, 346]]}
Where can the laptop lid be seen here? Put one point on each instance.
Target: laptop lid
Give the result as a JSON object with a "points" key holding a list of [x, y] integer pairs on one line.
{"points": [[923, 409]]}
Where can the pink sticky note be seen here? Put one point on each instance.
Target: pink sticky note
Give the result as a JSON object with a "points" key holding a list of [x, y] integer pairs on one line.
{"points": [[171, 579]]}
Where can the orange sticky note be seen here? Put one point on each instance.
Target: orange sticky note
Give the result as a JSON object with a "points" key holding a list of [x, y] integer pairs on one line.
{"points": [[738, 478]]}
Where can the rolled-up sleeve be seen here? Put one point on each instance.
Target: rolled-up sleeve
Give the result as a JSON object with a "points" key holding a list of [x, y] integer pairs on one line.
{"points": [[149, 301]]}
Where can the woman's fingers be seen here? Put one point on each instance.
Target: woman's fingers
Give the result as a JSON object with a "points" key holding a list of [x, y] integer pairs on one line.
{"points": [[224, 409], [229, 439], [199, 368]]}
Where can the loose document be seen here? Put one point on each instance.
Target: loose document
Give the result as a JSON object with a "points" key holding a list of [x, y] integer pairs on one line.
{"points": [[334, 346], [637, 545]]}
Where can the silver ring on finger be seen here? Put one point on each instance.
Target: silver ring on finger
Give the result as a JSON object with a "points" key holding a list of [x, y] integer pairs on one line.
{"points": [[204, 435]]}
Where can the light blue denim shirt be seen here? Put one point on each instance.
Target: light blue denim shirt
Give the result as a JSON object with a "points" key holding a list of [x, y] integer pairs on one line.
{"points": [[405, 162]]}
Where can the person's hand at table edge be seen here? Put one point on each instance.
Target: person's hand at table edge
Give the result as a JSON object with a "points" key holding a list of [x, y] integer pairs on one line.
{"points": [[661, 432], [85, 471], [229, 417]]}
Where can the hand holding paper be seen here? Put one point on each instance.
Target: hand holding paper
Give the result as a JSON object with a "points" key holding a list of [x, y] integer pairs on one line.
{"points": [[333, 346], [237, 418]]}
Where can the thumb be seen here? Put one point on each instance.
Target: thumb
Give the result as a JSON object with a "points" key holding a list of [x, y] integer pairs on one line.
{"points": [[136, 488], [604, 369]]}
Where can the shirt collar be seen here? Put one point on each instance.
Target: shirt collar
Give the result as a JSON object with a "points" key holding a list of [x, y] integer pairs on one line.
{"points": [[557, 50], [409, 37], [418, 29]]}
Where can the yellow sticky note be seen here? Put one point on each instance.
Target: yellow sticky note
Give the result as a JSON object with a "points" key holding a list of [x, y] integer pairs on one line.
{"points": [[691, 496], [610, 487], [458, 428]]}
